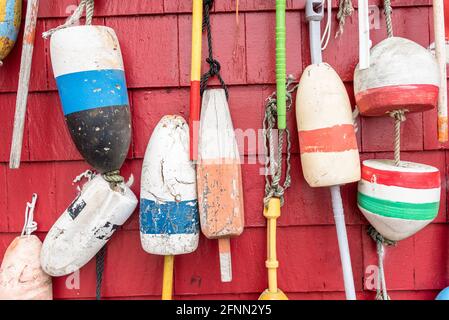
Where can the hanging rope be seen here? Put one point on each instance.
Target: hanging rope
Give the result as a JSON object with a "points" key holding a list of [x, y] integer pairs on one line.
{"points": [[398, 116], [273, 186], [345, 9], [381, 287], [388, 12], [74, 19], [214, 65], [99, 269], [30, 225]]}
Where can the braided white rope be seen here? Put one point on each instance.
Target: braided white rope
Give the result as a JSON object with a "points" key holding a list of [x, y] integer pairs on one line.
{"points": [[75, 17]]}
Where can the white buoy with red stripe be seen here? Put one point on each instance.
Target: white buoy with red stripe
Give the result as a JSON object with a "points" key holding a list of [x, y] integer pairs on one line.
{"points": [[398, 200], [328, 145], [21, 275], [329, 152], [402, 75]]}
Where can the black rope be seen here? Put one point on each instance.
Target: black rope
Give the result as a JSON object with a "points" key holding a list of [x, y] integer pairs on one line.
{"points": [[214, 65], [99, 268]]}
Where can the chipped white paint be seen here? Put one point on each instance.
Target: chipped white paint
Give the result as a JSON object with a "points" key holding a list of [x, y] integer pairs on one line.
{"points": [[217, 137], [21, 275], [226, 266], [397, 61], [324, 105], [168, 175], [85, 48], [86, 226]]}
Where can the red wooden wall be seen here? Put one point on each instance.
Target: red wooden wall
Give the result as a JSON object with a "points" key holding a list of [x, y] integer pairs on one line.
{"points": [[155, 40]]}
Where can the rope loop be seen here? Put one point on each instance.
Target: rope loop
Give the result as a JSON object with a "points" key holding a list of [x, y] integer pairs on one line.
{"points": [[274, 157], [381, 287], [214, 65], [74, 19]]}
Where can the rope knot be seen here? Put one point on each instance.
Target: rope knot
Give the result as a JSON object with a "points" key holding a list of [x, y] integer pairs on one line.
{"points": [[398, 115], [214, 65], [376, 236], [114, 178]]}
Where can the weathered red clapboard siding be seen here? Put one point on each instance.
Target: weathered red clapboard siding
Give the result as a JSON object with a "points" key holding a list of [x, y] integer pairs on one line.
{"points": [[155, 40]]}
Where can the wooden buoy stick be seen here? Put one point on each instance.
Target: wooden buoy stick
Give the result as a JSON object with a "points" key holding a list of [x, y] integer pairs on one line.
{"points": [[364, 41], [281, 72], [440, 51], [195, 76], [167, 280], [24, 82], [224, 249]]}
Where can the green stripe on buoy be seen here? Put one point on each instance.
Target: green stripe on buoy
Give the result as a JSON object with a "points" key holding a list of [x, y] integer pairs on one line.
{"points": [[399, 210]]}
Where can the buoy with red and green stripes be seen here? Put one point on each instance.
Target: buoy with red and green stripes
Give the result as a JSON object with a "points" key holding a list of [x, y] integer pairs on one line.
{"points": [[398, 201]]}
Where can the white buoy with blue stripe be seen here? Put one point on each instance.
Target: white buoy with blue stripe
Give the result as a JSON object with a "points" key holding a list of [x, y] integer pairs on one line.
{"points": [[88, 67], [169, 221]]}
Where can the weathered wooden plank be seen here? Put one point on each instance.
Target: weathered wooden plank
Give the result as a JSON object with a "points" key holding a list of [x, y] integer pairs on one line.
{"points": [[24, 83]]}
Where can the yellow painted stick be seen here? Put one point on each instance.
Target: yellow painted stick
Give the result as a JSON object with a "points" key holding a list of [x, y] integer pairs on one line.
{"points": [[195, 76], [272, 213], [167, 280]]}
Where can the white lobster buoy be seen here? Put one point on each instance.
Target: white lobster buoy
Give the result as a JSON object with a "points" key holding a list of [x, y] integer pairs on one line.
{"points": [[86, 226], [89, 72], [21, 275], [398, 200], [219, 177], [329, 152], [402, 75], [169, 223]]}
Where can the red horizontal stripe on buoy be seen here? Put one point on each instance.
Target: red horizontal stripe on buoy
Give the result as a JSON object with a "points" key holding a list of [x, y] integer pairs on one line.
{"points": [[414, 180], [332, 139], [413, 97]]}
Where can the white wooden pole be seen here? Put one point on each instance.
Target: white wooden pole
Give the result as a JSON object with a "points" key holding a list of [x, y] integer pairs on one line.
{"points": [[24, 83]]}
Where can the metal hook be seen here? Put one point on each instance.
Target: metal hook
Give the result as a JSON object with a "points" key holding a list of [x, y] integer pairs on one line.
{"points": [[30, 225]]}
